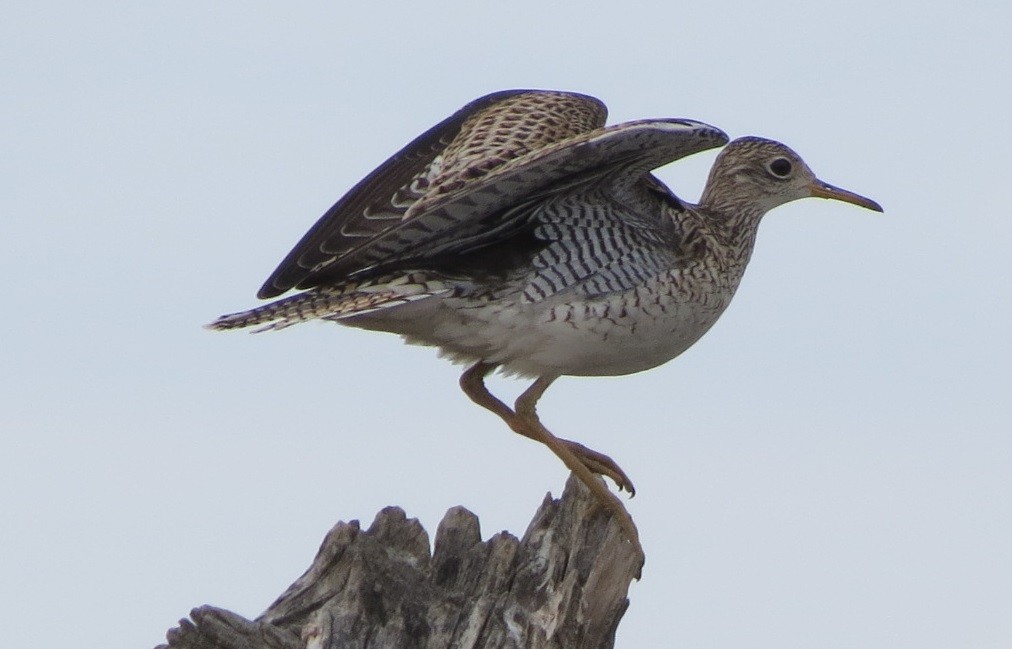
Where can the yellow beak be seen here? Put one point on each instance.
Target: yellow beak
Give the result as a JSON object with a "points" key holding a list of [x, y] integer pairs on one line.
{"points": [[825, 190]]}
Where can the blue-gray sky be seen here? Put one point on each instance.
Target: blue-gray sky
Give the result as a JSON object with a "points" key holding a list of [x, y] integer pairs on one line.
{"points": [[830, 466]]}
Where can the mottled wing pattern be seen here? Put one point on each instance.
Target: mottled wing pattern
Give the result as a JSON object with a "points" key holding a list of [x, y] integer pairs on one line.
{"points": [[477, 139], [614, 162]]}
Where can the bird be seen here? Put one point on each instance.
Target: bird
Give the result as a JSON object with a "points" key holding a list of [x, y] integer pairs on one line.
{"points": [[522, 234]]}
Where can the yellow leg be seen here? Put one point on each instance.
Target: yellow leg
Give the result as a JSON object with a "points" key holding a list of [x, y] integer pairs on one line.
{"points": [[473, 384], [578, 458]]}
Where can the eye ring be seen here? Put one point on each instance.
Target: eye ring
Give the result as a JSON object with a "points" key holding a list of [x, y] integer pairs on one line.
{"points": [[781, 167]]}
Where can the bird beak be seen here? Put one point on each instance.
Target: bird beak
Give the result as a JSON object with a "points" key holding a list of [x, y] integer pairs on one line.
{"points": [[825, 190]]}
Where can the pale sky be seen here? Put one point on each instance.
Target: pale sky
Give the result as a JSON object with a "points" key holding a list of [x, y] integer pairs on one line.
{"points": [[831, 466]]}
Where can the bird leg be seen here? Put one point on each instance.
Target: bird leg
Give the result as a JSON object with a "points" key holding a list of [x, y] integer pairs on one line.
{"points": [[473, 384], [526, 407], [581, 460]]}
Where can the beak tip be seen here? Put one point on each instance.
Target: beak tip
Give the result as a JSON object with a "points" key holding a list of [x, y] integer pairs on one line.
{"points": [[825, 190]]}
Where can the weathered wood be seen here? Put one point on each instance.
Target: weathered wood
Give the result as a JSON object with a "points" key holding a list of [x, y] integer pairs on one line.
{"points": [[563, 585]]}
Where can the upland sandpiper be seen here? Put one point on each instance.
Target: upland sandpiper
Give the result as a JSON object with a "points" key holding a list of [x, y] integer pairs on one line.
{"points": [[523, 234]]}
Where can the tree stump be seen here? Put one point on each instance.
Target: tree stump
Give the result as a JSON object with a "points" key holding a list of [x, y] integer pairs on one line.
{"points": [[563, 585]]}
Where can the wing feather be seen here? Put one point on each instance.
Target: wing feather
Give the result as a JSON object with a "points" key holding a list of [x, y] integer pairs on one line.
{"points": [[616, 159], [486, 173], [480, 137]]}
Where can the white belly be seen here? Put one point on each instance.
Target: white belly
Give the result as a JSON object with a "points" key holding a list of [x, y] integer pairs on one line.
{"points": [[617, 334]]}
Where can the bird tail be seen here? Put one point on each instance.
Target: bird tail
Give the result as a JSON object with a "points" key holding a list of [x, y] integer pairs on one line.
{"points": [[331, 304], [276, 315]]}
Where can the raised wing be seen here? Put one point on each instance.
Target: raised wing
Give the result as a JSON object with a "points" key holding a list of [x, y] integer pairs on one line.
{"points": [[614, 161], [479, 138]]}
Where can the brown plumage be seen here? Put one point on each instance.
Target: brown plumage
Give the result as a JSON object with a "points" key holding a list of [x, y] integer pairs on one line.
{"points": [[521, 233]]}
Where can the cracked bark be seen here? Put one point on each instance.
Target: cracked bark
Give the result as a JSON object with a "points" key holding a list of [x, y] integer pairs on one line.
{"points": [[563, 585]]}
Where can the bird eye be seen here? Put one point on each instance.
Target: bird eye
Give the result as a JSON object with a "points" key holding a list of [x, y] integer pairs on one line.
{"points": [[781, 167]]}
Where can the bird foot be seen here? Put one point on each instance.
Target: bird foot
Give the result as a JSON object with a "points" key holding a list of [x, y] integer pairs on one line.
{"points": [[601, 464]]}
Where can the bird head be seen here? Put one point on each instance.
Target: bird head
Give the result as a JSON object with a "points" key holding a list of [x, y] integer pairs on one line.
{"points": [[753, 174]]}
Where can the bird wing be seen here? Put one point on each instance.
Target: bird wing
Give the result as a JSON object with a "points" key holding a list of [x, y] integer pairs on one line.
{"points": [[615, 161], [479, 138]]}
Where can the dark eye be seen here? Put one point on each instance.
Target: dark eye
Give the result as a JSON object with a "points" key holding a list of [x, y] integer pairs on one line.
{"points": [[781, 167]]}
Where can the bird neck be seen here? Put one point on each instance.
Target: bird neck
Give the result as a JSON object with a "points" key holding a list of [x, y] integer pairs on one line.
{"points": [[733, 225], [733, 201]]}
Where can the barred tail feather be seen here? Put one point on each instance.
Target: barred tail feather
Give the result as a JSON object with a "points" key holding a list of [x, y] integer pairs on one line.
{"points": [[278, 314], [316, 304]]}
